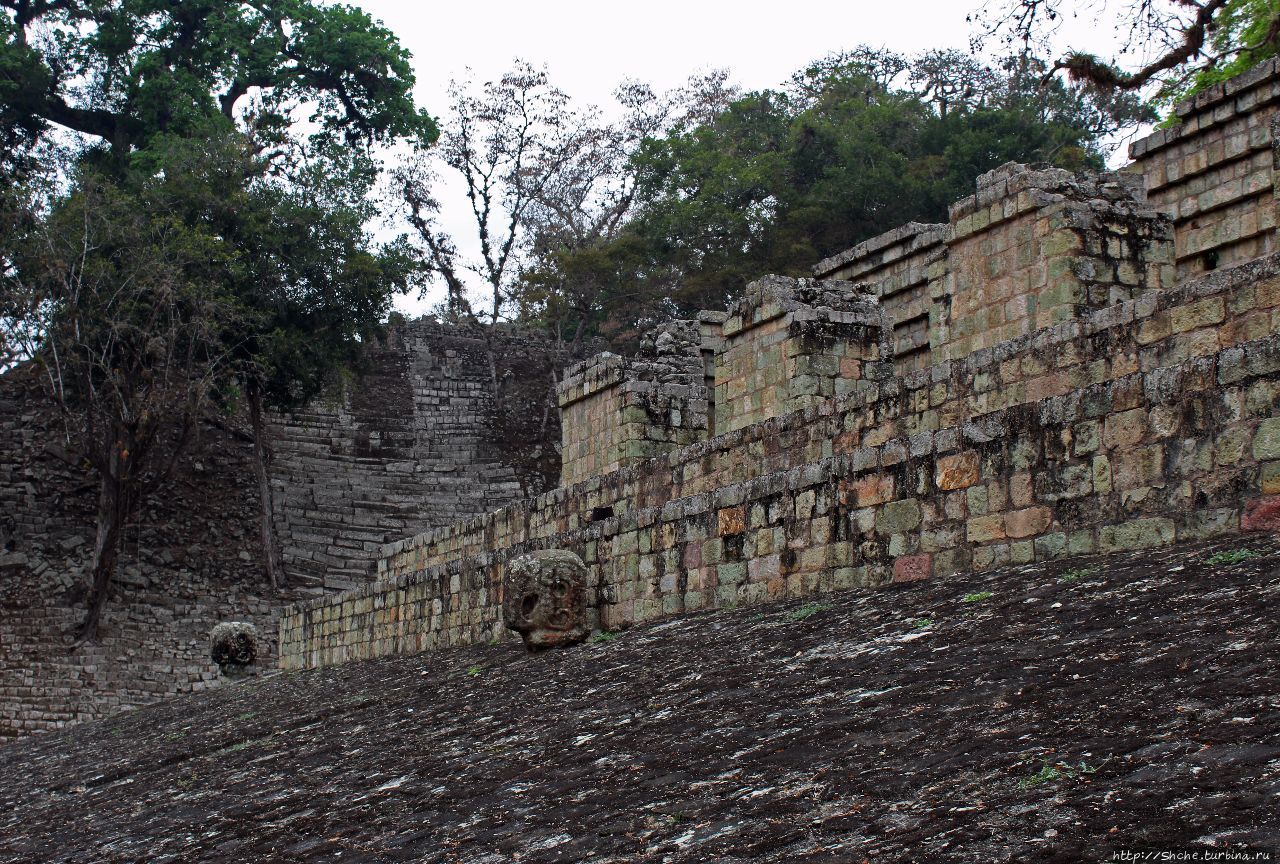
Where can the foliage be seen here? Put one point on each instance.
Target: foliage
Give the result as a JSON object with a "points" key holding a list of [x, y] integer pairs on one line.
{"points": [[123, 71], [263, 224], [1176, 47], [548, 184], [542, 177], [1077, 573], [807, 611], [127, 302], [976, 597], [1231, 556], [317, 286], [1052, 772], [856, 144], [1245, 34]]}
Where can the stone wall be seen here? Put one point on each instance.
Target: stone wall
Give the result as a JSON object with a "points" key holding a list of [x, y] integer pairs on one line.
{"points": [[1212, 171], [618, 411], [1148, 421], [896, 266], [402, 451], [405, 450], [191, 561], [792, 343], [1033, 248], [1029, 249]]}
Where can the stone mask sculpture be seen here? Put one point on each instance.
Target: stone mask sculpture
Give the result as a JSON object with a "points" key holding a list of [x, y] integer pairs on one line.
{"points": [[544, 598]]}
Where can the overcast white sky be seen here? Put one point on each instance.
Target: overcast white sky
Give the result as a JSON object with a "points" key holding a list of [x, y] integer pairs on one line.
{"points": [[589, 47]]}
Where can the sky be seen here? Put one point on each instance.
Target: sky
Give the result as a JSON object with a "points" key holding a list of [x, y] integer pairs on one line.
{"points": [[590, 47]]}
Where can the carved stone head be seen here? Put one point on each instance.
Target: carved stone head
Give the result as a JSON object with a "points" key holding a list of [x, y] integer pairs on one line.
{"points": [[233, 645], [544, 598]]}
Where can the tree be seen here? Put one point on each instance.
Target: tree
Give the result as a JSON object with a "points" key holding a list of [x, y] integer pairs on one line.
{"points": [[314, 284], [856, 144], [122, 71], [546, 183], [1183, 45], [121, 301], [199, 99], [578, 260], [508, 143]]}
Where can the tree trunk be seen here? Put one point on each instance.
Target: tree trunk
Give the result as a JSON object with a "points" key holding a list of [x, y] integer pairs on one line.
{"points": [[112, 511], [270, 551]]}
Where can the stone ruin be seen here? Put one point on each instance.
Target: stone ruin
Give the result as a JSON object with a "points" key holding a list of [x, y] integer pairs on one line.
{"points": [[544, 599], [233, 645], [1069, 364], [1072, 364]]}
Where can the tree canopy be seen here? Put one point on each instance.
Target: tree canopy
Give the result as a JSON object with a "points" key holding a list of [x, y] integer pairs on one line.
{"points": [[1170, 49], [855, 145], [124, 71], [222, 163]]}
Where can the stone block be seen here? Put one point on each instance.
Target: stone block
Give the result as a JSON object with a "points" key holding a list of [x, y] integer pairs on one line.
{"points": [[898, 517], [912, 568], [1028, 522], [1266, 441], [985, 528], [731, 520], [1138, 534], [1125, 429], [957, 471], [1261, 514]]}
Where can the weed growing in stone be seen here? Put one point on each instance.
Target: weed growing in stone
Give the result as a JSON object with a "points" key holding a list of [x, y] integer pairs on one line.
{"points": [[1078, 573], [605, 636], [1233, 556], [473, 670], [922, 623], [1051, 772], [808, 610], [976, 597]]}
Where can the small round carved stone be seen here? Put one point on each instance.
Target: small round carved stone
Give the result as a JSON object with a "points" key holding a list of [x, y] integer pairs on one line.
{"points": [[233, 645], [544, 598]]}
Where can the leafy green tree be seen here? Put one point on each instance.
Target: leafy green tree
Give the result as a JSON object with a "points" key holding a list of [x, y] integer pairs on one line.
{"points": [[122, 302], [197, 103], [309, 277], [855, 145], [1246, 33], [123, 71]]}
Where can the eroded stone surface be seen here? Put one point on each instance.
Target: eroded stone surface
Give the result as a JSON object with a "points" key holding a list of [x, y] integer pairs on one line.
{"points": [[544, 599], [927, 722]]}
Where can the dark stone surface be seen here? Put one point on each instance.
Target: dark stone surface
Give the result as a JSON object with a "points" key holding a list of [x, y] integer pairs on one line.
{"points": [[191, 559], [1092, 705]]}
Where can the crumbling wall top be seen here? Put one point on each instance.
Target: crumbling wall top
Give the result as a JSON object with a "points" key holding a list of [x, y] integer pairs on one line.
{"points": [[670, 353], [880, 250], [804, 299], [1019, 188]]}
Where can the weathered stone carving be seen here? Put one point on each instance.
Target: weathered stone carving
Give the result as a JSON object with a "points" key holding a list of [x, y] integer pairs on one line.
{"points": [[233, 645], [545, 599]]}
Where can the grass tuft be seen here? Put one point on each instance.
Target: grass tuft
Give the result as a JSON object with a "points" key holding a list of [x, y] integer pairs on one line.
{"points": [[808, 610]]}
